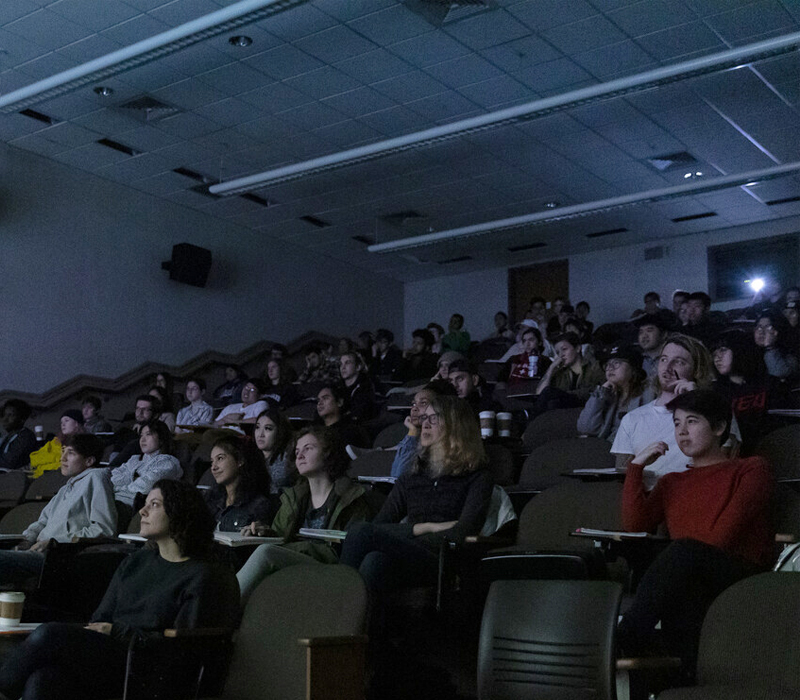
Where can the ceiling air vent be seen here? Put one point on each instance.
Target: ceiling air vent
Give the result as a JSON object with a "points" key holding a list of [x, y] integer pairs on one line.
{"points": [[403, 218], [314, 221], [450, 261], [366, 240], [193, 174], [147, 109], [784, 200], [443, 12], [610, 232], [38, 116], [255, 199], [527, 246], [672, 160], [692, 217], [121, 147]]}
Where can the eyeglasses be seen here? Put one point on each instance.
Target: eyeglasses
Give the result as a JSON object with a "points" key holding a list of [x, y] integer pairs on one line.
{"points": [[763, 328], [420, 405], [432, 418], [614, 364]]}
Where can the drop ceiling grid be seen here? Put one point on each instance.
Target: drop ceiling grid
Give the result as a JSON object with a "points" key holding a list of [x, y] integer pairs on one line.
{"points": [[480, 63]]}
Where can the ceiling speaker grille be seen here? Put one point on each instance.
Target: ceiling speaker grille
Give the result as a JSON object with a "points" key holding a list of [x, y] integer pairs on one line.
{"points": [[147, 109]]}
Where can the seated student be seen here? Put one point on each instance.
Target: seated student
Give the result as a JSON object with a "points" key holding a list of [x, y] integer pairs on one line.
{"points": [[323, 498], [386, 356], [443, 366], [625, 389], [278, 386], [772, 334], [742, 378], [699, 323], [358, 387], [239, 494], [501, 329], [684, 365], [197, 412], [19, 441], [168, 583], [93, 420], [582, 310], [717, 514], [140, 472], [679, 297], [407, 448], [164, 411], [82, 508], [230, 391], [418, 362], [653, 330], [316, 371], [445, 495], [791, 312], [570, 379], [332, 412], [457, 338], [437, 333], [245, 412], [530, 363], [468, 385], [48, 456], [556, 325], [273, 436], [126, 439]]}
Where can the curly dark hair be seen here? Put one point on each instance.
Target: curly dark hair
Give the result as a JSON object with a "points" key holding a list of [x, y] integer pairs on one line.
{"points": [[253, 474], [191, 524], [335, 459], [162, 432]]}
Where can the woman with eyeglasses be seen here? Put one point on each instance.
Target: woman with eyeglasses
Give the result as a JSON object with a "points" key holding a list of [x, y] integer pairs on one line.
{"points": [[772, 333], [444, 496], [624, 390]]}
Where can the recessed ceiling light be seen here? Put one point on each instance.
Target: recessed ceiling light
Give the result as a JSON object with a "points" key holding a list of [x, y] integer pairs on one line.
{"points": [[551, 205], [691, 175], [241, 41], [103, 91]]}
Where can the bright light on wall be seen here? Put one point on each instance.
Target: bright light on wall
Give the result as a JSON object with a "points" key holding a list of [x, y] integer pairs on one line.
{"points": [[756, 284]]}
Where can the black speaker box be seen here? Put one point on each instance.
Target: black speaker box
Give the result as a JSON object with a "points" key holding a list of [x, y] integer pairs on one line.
{"points": [[190, 264]]}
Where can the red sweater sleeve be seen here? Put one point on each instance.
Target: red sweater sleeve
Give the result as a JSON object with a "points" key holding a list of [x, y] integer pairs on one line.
{"points": [[641, 511], [748, 502]]}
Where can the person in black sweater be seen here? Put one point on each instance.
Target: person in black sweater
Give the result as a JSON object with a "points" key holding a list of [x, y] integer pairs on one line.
{"points": [[445, 495], [168, 583]]}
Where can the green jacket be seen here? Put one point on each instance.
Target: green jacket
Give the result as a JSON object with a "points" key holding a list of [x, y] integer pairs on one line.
{"points": [[351, 506]]}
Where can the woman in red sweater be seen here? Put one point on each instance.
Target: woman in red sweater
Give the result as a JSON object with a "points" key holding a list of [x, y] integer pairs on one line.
{"points": [[717, 515]]}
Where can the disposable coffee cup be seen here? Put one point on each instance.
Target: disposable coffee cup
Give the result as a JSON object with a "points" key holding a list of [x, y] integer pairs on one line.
{"points": [[11, 603], [39, 431], [487, 423], [504, 424]]}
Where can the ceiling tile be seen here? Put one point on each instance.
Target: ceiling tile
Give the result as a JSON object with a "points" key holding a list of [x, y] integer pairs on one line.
{"points": [[395, 121], [285, 61], [187, 125], [90, 157], [136, 29], [14, 9], [175, 13], [681, 42], [45, 66], [107, 122], [584, 35], [229, 112], [335, 44], [69, 135], [650, 16], [88, 49], [409, 87], [541, 15], [746, 24], [488, 29], [188, 94], [234, 79], [553, 76], [312, 116], [462, 71], [162, 183], [197, 59], [429, 48], [45, 28], [616, 60], [391, 25], [16, 49], [322, 82], [497, 91], [358, 102], [36, 144], [85, 13], [374, 66], [444, 107], [297, 23], [352, 9], [276, 97], [148, 138], [516, 55], [135, 168]]}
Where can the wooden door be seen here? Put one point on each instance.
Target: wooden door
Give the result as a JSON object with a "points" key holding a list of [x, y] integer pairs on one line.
{"points": [[548, 280]]}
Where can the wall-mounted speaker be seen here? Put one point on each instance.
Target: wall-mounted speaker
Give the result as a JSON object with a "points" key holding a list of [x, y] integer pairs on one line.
{"points": [[190, 264]]}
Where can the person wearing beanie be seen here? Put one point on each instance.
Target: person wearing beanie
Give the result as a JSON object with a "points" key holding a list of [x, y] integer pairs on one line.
{"points": [[48, 457]]}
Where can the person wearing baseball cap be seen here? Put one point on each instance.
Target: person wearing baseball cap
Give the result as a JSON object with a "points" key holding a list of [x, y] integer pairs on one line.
{"points": [[626, 388]]}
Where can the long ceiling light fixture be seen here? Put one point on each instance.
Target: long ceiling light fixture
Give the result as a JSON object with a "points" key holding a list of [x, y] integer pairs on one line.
{"points": [[724, 60], [587, 208], [158, 46]]}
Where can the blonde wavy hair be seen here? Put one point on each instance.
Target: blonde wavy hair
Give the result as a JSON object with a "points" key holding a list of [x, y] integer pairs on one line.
{"points": [[702, 362], [461, 445]]}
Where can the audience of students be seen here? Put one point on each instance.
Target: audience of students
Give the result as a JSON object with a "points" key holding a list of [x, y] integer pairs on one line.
{"points": [[437, 334], [246, 411], [386, 356], [570, 379], [332, 412], [322, 499], [772, 335], [358, 387], [457, 338], [126, 439], [169, 584], [501, 330], [316, 369], [419, 362], [273, 435], [653, 328], [530, 363], [230, 391], [164, 409], [48, 456], [277, 385]]}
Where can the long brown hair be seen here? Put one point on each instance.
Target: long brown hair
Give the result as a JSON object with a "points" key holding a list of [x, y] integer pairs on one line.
{"points": [[702, 363], [462, 447]]}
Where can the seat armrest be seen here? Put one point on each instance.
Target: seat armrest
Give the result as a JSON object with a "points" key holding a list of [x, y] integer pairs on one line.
{"points": [[490, 540], [197, 632]]}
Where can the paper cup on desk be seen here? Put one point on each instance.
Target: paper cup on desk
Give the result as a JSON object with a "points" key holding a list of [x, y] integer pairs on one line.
{"points": [[504, 424], [11, 603], [39, 432], [487, 423]]}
